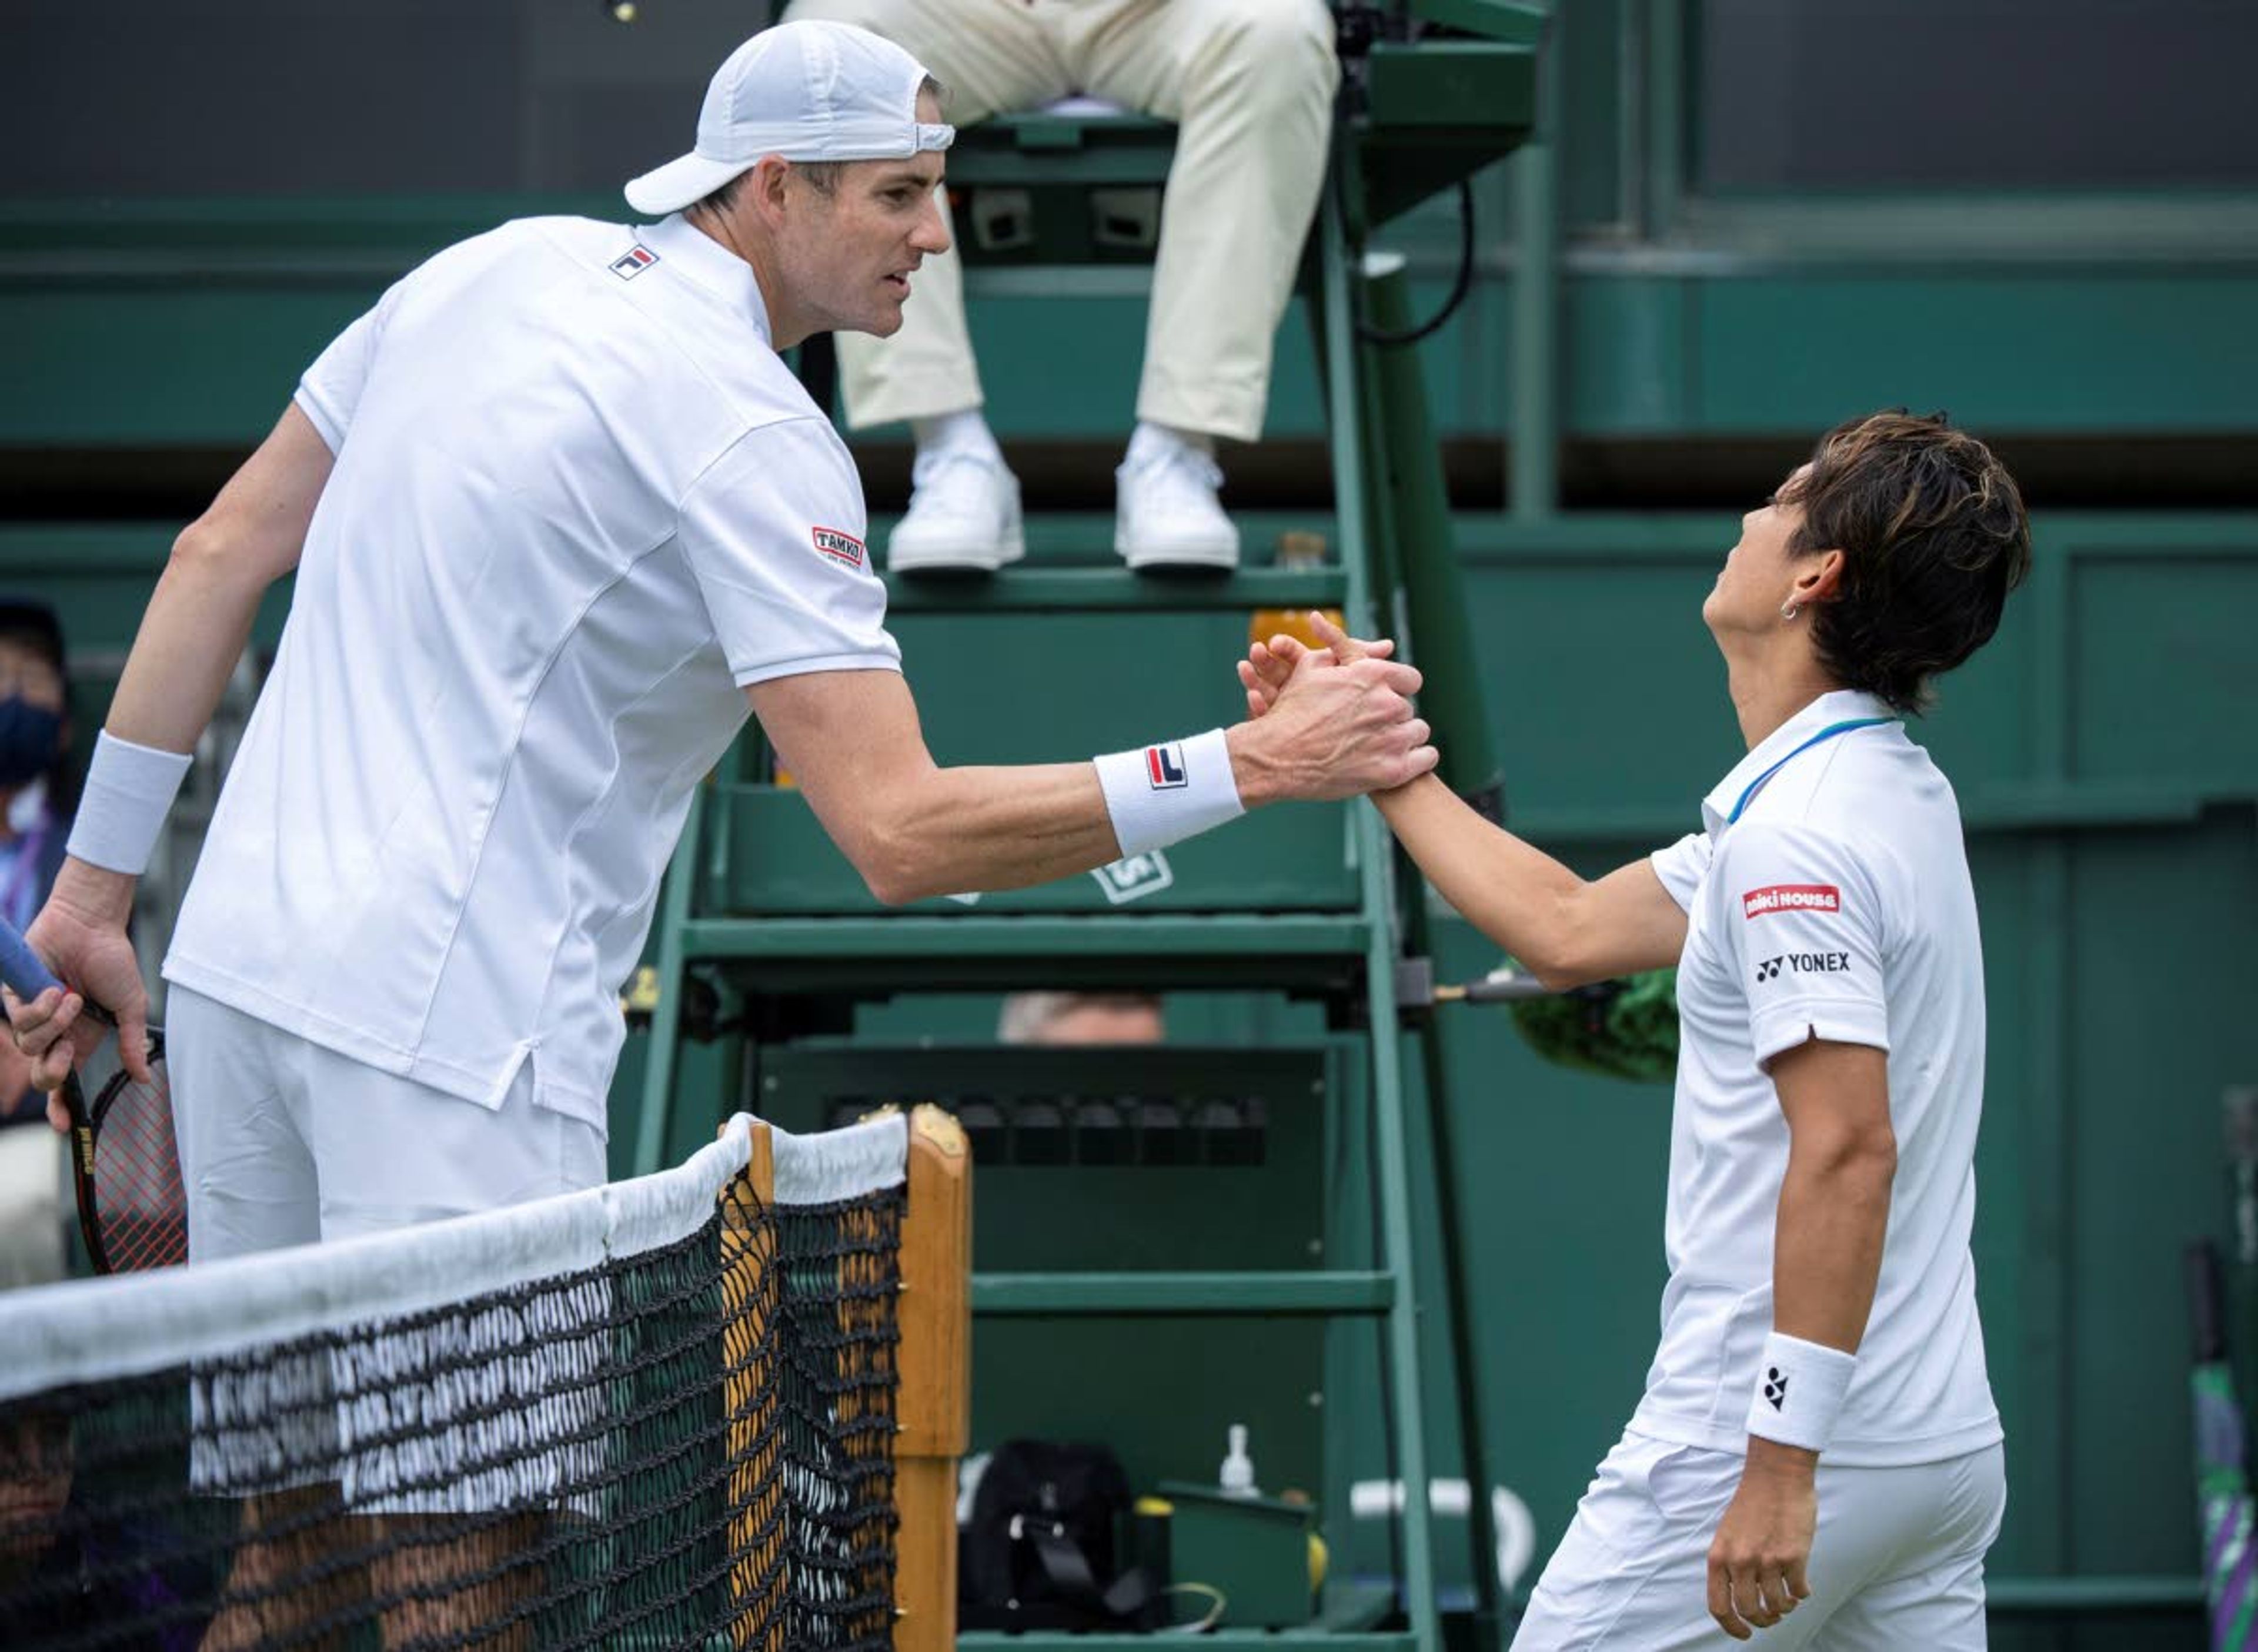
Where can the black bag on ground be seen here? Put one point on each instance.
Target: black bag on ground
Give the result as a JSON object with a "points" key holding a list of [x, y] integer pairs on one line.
{"points": [[1041, 1550]]}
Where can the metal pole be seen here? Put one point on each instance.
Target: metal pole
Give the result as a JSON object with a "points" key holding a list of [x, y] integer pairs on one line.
{"points": [[666, 1015], [1346, 406], [1534, 489], [1441, 639]]}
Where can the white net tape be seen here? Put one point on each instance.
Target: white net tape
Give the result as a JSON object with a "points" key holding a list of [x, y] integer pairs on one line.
{"points": [[91, 1330]]}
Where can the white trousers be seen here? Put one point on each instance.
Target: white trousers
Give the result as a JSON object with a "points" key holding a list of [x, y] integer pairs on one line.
{"points": [[283, 1142], [1249, 84], [1898, 1562]]}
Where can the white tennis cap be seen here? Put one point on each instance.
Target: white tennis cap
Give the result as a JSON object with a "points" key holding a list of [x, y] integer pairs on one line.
{"points": [[810, 90]]}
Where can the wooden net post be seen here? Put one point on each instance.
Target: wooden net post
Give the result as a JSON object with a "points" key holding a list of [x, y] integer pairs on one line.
{"points": [[752, 1289], [933, 1409]]}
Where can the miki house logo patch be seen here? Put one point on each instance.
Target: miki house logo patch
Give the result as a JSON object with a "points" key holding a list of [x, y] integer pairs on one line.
{"points": [[839, 547], [634, 262], [1164, 766], [1792, 897]]}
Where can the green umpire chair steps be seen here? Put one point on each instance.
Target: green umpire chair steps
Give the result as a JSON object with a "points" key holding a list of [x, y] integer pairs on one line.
{"points": [[768, 942]]}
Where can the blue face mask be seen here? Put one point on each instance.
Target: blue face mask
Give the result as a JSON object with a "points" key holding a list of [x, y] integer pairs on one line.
{"points": [[30, 736]]}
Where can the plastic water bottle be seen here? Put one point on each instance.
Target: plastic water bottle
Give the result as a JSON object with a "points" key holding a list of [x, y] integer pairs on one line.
{"points": [[1235, 1477]]}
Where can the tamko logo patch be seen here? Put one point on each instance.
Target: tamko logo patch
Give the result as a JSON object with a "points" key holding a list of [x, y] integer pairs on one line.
{"points": [[839, 547], [1792, 897]]}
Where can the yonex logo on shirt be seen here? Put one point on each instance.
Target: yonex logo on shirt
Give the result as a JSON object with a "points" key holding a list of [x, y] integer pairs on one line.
{"points": [[1804, 963], [1164, 766], [1792, 897], [633, 262], [838, 546]]}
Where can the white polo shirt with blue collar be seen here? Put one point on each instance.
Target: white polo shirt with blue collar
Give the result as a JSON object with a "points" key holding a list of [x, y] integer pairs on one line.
{"points": [[579, 505], [1828, 897]]}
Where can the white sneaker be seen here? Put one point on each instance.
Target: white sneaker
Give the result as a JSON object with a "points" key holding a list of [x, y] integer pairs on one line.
{"points": [[963, 515], [1165, 511]]}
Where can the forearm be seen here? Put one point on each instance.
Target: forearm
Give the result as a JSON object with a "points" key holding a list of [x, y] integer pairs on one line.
{"points": [[989, 828], [1826, 1250], [1827, 1257], [912, 829], [197, 625], [222, 564], [194, 630], [1516, 895]]}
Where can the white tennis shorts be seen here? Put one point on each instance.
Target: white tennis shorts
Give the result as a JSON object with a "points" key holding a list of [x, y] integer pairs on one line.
{"points": [[1897, 1561], [283, 1142]]}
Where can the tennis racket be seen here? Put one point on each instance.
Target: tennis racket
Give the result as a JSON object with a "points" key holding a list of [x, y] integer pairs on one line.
{"points": [[124, 1162], [2223, 1499]]}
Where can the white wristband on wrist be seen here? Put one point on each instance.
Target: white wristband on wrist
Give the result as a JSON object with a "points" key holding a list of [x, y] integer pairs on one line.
{"points": [[1160, 795], [1798, 1391], [129, 790]]}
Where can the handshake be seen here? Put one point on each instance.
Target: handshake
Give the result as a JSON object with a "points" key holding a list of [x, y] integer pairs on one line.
{"points": [[1332, 722]]}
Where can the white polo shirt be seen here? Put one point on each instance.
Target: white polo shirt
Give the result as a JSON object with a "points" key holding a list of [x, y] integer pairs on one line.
{"points": [[1837, 905], [578, 504]]}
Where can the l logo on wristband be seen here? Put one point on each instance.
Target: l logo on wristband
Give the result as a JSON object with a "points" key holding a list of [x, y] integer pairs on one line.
{"points": [[1164, 766]]}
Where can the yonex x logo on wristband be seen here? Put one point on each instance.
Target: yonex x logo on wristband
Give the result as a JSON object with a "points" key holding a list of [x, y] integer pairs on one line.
{"points": [[1822, 1377], [1164, 766]]}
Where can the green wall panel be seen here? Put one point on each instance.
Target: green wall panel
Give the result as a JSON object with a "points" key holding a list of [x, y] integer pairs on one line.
{"points": [[2013, 350], [103, 367], [180, 353], [1636, 367], [2167, 648], [2163, 977]]}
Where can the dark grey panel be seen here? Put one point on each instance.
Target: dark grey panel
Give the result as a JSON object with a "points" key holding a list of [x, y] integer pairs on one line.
{"points": [[151, 98], [1974, 93]]}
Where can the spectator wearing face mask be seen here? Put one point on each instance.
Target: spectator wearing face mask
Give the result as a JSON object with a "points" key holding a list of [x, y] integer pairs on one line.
{"points": [[36, 796]]}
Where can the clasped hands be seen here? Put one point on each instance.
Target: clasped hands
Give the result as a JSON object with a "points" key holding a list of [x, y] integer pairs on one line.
{"points": [[1336, 722]]}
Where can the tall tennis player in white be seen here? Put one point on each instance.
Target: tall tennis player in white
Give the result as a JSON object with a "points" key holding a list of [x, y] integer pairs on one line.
{"points": [[561, 519]]}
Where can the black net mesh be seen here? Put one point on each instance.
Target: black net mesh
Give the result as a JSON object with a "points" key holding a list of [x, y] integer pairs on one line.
{"points": [[690, 1447]]}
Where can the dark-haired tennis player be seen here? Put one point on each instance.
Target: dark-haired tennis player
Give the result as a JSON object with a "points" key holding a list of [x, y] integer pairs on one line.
{"points": [[560, 517], [1817, 1454]]}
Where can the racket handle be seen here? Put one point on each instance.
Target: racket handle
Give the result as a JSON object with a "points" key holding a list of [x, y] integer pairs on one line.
{"points": [[1500, 987], [20, 966]]}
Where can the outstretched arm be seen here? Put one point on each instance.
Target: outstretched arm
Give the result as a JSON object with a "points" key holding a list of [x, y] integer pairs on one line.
{"points": [[913, 829], [1565, 929]]}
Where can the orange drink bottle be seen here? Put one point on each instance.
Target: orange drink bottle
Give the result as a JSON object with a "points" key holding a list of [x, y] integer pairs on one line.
{"points": [[1305, 552]]}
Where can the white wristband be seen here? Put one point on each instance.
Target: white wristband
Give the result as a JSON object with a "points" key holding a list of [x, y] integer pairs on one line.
{"points": [[1160, 795], [1798, 1391], [129, 791]]}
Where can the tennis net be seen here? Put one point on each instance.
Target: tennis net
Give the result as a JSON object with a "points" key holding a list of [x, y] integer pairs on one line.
{"points": [[659, 1413]]}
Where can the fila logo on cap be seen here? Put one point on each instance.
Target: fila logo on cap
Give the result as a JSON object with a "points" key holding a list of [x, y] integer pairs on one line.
{"points": [[843, 548], [1164, 766], [634, 262]]}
